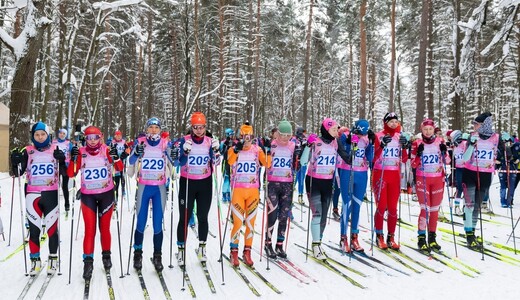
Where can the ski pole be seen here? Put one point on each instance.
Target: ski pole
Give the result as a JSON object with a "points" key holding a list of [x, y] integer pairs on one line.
{"points": [[21, 216], [309, 198], [480, 202], [57, 169], [185, 203], [171, 217], [378, 196], [509, 197], [72, 218], [345, 211], [11, 215], [450, 203], [265, 212]]}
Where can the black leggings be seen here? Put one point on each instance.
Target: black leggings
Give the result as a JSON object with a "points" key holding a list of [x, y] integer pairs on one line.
{"points": [[39, 205], [200, 190]]}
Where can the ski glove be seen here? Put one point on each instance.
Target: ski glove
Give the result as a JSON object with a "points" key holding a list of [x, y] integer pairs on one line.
{"points": [[403, 141], [443, 148], [311, 139], [473, 139], [174, 153], [113, 153], [139, 149], [58, 154], [123, 155], [420, 150], [187, 146], [239, 146], [16, 159], [74, 152], [215, 144], [371, 136], [385, 140]]}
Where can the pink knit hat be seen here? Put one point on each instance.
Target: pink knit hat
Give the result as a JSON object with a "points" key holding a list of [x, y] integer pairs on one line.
{"points": [[328, 123]]}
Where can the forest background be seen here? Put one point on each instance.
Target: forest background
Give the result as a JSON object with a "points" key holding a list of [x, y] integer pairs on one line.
{"points": [[121, 62]]}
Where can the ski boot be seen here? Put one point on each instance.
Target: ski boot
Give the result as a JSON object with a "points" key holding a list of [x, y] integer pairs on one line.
{"points": [[391, 242], [246, 255], [180, 256], [138, 259], [432, 242], [421, 244], [279, 250], [233, 257], [317, 252], [88, 267], [157, 261], [380, 241], [36, 266], [343, 243], [201, 252], [335, 214], [354, 243], [472, 241], [269, 252], [53, 264], [107, 261], [300, 199]]}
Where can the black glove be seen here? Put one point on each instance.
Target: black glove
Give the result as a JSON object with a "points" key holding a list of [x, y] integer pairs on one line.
{"points": [[349, 139], [174, 153], [403, 141], [58, 154], [267, 143], [371, 136], [123, 155], [238, 146], [385, 140], [229, 141], [420, 150], [457, 141], [16, 157], [139, 149], [443, 148], [113, 152], [74, 152], [298, 152]]}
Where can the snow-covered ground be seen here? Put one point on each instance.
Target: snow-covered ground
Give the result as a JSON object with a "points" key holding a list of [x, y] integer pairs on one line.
{"points": [[498, 280]]}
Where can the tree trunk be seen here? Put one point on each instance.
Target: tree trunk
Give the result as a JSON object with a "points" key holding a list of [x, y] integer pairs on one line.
{"points": [[421, 74], [363, 62], [307, 66], [429, 63], [257, 57], [23, 80], [456, 107], [197, 52], [392, 59], [61, 64]]}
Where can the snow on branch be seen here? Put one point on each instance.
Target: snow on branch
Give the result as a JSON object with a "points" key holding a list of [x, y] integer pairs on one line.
{"points": [[114, 6]]}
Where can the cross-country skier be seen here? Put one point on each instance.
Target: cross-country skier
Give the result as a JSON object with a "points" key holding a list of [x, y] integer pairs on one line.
{"points": [[458, 143], [429, 158], [284, 154], [152, 161], [123, 150], [96, 162], [197, 158], [245, 159], [390, 151], [506, 158], [480, 159], [358, 147], [224, 147], [41, 162], [65, 146], [302, 171]]}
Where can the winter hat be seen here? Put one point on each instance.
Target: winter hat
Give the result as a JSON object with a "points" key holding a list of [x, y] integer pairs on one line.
{"points": [[229, 132], [328, 123], [93, 130], [246, 129], [448, 133], [390, 116], [486, 129], [62, 130], [165, 134], [117, 132], [198, 118], [300, 131], [153, 121], [361, 126], [285, 127], [505, 137], [428, 122], [455, 135], [482, 117], [44, 127], [437, 130]]}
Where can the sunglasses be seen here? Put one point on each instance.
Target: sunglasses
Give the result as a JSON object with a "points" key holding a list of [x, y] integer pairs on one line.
{"points": [[92, 137], [199, 127]]}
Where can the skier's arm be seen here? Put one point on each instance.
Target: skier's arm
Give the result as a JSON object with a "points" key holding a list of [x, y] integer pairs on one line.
{"points": [[344, 149]]}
